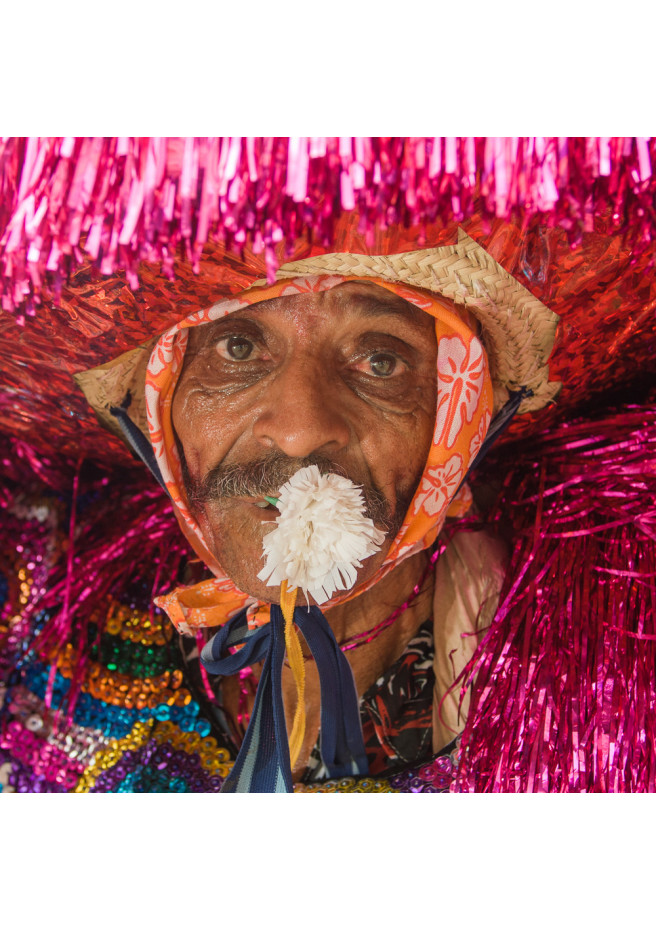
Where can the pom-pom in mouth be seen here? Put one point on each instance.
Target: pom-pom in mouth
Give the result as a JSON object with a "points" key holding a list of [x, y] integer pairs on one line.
{"points": [[321, 535]]}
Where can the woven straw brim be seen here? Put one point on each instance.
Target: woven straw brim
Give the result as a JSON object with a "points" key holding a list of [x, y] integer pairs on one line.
{"points": [[517, 329], [108, 385]]}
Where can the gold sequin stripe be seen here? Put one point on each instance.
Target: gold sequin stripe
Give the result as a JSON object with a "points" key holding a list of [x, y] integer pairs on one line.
{"points": [[363, 785], [20, 584], [122, 690], [138, 626], [215, 761]]}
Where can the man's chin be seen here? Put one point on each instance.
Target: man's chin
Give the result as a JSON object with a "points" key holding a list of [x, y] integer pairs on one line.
{"points": [[270, 594], [245, 578]]}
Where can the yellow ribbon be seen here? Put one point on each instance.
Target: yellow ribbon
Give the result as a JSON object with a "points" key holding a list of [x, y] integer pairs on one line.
{"points": [[295, 656]]}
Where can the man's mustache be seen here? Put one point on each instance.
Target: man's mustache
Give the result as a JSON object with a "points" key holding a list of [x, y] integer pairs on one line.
{"points": [[264, 477]]}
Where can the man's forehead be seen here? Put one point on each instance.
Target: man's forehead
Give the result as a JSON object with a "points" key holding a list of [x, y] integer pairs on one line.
{"points": [[359, 296], [363, 298], [367, 297], [349, 300]]}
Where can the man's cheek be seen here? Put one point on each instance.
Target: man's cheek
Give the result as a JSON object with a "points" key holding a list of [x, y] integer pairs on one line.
{"points": [[232, 532], [213, 522]]}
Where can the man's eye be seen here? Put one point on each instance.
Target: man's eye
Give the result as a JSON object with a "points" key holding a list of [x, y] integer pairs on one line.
{"points": [[235, 348], [382, 365]]}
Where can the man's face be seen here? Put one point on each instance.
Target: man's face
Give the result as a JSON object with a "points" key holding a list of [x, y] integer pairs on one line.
{"points": [[344, 378]]}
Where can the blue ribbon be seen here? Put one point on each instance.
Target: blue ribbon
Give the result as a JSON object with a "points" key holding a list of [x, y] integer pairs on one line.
{"points": [[262, 764]]}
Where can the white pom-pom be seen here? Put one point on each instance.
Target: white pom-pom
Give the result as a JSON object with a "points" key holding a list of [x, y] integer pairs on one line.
{"points": [[321, 535]]}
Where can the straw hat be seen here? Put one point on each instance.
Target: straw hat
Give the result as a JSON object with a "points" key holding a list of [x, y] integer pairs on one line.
{"points": [[517, 329]]}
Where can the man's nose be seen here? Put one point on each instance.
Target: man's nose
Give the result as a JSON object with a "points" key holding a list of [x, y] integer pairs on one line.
{"points": [[301, 412]]}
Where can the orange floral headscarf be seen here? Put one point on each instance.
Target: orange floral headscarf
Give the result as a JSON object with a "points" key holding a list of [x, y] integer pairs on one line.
{"points": [[463, 414]]}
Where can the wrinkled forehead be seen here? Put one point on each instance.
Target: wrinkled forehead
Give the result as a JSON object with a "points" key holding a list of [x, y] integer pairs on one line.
{"points": [[344, 302]]}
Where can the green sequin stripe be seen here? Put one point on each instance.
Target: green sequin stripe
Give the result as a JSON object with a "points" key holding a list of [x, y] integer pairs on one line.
{"points": [[130, 658]]}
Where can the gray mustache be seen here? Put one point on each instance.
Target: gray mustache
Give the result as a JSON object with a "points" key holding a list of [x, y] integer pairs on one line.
{"points": [[264, 478]]}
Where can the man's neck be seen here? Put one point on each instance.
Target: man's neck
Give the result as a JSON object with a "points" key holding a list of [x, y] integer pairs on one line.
{"points": [[370, 659]]}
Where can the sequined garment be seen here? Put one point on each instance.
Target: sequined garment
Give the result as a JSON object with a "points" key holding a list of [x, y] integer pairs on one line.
{"points": [[141, 721]]}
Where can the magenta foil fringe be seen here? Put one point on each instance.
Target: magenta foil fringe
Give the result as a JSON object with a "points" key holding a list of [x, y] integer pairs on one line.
{"points": [[119, 201], [564, 680], [564, 695]]}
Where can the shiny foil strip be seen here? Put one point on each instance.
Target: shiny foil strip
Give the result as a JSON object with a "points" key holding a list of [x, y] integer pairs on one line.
{"points": [[563, 690], [121, 201]]}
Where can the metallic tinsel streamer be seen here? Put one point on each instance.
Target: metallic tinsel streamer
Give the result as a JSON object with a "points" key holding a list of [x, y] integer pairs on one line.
{"points": [[120, 201], [564, 696]]}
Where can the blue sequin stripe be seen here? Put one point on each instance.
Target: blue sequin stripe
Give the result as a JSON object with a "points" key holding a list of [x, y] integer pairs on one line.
{"points": [[113, 721]]}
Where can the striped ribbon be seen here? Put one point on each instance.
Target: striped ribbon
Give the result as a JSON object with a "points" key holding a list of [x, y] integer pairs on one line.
{"points": [[263, 764]]}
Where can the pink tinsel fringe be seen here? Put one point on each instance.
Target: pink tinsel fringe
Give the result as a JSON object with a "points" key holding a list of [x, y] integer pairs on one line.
{"points": [[565, 679], [120, 201]]}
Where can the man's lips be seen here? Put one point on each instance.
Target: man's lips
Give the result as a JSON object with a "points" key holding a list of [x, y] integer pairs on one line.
{"points": [[264, 505], [265, 510], [261, 508]]}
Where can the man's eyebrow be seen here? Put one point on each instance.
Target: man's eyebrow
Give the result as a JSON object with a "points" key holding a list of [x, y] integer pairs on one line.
{"points": [[366, 304], [200, 335]]}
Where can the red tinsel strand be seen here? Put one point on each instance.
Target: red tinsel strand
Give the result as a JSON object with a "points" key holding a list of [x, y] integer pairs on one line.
{"points": [[123, 201], [200, 642], [564, 697], [367, 636]]}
